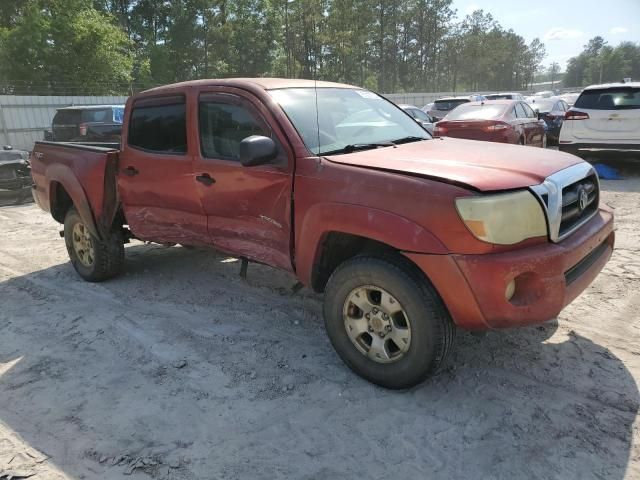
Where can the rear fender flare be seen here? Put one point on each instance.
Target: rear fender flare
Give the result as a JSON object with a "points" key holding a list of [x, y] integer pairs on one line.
{"points": [[385, 227], [63, 175]]}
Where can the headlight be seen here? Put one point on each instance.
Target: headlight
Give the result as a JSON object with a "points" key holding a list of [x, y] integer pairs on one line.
{"points": [[504, 218]]}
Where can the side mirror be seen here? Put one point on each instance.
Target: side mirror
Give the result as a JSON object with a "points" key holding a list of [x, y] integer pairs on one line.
{"points": [[257, 150]]}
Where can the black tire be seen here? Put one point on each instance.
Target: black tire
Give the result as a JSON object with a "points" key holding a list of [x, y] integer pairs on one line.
{"points": [[432, 331], [108, 258]]}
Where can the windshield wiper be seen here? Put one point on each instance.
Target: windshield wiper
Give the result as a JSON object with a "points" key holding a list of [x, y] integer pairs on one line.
{"points": [[409, 140], [359, 146]]}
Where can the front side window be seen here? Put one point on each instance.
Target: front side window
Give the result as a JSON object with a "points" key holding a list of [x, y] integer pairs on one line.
{"points": [[158, 125], [224, 125], [118, 114], [345, 118]]}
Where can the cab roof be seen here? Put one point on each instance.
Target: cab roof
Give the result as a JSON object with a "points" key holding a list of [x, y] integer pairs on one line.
{"points": [[90, 107], [613, 85], [264, 83]]}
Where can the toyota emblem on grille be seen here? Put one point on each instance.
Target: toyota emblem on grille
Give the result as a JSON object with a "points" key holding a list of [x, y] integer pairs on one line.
{"points": [[583, 200]]}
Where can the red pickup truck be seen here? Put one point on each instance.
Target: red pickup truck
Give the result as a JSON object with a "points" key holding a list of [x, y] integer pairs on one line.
{"points": [[407, 236]]}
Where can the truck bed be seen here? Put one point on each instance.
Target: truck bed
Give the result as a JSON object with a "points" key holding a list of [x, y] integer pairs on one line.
{"points": [[83, 172]]}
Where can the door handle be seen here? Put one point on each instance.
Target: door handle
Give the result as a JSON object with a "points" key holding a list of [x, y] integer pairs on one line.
{"points": [[130, 171], [206, 179]]}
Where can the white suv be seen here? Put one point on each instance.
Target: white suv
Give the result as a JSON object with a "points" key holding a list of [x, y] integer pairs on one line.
{"points": [[604, 118]]}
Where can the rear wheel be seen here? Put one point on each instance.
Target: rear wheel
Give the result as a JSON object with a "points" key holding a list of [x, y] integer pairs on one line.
{"points": [[95, 260], [386, 321]]}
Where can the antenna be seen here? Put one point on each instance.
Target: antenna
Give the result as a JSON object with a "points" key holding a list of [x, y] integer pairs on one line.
{"points": [[315, 88]]}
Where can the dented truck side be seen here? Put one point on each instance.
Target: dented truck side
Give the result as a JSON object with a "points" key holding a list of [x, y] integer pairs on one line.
{"points": [[398, 234]]}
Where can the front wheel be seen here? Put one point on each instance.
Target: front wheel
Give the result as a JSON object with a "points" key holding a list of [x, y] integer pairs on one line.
{"points": [[386, 321], [95, 260], [544, 140]]}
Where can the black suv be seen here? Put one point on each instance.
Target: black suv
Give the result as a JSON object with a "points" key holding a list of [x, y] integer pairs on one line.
{"points": [[89, 123]]}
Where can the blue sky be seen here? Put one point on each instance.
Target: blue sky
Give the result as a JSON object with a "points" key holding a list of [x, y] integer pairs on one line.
{"points": [[563, 25]]}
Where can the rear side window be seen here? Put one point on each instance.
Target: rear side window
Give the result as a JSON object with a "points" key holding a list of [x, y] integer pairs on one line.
{"points": [[520, 111], [66, 118], [623, 98], [529, 111], [159, 125], [223, 125]]}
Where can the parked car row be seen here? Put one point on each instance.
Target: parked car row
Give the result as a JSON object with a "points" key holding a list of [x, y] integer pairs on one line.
{"points": [[601, 117]]}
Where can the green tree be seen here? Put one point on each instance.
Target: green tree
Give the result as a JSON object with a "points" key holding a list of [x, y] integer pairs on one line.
{"points": [[65, 45]]}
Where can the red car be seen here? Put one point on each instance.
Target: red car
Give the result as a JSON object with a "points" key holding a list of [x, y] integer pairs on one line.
{"points": [[407, 236], [504, 121]]}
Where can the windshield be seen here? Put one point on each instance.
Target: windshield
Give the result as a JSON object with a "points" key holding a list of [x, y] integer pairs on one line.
{"points": [[477, 112], [448, 104], [346, 117], [499, 96], [543, 105]]}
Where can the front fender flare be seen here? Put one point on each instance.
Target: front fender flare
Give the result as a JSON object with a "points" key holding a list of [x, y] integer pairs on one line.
{"points": [[379, 225]]}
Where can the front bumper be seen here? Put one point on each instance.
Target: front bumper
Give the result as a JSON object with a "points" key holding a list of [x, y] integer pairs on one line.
{"points": [[547, 277]]}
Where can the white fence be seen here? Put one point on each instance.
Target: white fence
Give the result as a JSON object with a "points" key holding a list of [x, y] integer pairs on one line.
{"points": [[23, 119]]}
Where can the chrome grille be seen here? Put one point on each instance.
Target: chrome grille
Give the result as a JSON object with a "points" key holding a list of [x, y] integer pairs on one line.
{"points": [[570, 198], [579, 200]]}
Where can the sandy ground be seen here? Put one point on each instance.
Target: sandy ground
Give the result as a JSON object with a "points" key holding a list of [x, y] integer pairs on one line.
{"points": [[179, 370]]}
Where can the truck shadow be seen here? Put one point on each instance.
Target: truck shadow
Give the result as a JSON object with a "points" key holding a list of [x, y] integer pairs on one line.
{"points": [[182, 362]]}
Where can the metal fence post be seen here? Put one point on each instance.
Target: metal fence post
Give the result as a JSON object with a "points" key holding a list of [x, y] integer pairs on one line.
{"points": [[5, 130]]}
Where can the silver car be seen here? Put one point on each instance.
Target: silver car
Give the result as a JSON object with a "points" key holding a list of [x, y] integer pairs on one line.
{"points": [[419, 116]]}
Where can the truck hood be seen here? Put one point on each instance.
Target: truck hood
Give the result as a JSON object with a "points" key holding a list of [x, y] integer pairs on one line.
{"points": [[484, 166]]}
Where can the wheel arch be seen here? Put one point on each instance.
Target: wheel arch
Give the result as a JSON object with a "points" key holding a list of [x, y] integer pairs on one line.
{"points": [[333, 233], [65, 191]]}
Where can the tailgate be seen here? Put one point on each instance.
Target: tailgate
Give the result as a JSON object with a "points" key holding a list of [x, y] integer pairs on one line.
{"points": [[616, 125]]}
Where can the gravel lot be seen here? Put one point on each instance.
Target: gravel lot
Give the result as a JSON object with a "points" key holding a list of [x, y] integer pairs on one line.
{"points": [[179, 370]]}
